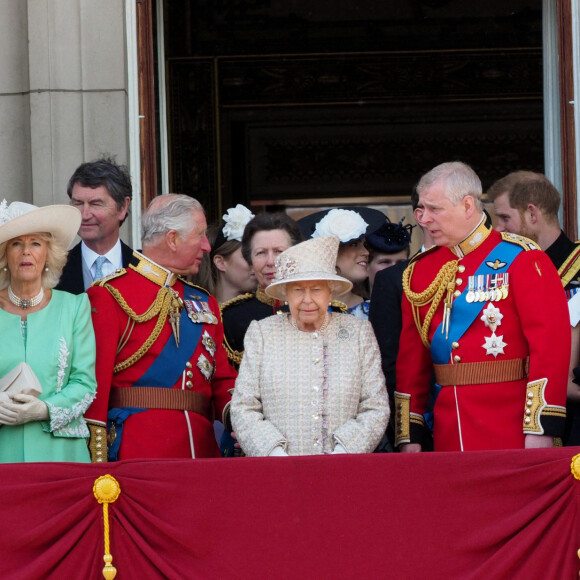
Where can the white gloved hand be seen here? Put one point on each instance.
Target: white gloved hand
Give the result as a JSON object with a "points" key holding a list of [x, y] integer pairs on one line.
{"points": [[7, 416], [23, 409]]}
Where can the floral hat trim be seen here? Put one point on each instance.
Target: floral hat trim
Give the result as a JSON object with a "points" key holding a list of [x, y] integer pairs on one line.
{"points": [[344, 223], [236, 219]]}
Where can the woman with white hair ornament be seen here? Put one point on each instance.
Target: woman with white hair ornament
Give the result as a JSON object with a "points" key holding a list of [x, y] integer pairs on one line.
{"points": [[310, 382], [47, 367], [351, 225]]}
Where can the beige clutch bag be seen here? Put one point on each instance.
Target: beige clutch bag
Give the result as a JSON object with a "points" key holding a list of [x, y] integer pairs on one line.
{"points": [[21, 379]]}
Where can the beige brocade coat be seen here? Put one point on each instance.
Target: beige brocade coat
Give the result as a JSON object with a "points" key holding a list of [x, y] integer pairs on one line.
{"points": [[308, 391]]}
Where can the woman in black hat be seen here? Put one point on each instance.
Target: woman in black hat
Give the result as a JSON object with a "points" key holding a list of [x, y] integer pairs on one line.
{"points": [[388, 246]]}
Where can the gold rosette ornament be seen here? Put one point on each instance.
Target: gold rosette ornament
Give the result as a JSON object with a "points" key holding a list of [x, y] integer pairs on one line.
{"points": [[107, 490]]}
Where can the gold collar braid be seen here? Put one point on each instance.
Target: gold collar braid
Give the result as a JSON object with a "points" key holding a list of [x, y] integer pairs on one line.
{"points": [[165, 303], [443, 282]]}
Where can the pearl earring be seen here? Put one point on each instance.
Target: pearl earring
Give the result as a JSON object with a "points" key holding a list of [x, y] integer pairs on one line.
{"points": [[46, 268], [5, 269]]}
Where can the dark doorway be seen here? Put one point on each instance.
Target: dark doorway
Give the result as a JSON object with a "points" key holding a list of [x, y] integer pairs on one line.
{"points": [[302, 103]]}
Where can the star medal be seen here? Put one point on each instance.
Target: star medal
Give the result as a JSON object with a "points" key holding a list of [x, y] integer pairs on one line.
{"points": [[208, 342], [491, 317], [494, 345], [205, 367]]}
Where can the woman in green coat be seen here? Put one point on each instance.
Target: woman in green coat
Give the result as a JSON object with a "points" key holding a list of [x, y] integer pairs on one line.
{"points": [[41, 412]]}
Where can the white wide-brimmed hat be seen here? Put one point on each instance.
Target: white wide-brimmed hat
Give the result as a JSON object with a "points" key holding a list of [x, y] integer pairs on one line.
{"points": [[21, 219], [314, 259]]}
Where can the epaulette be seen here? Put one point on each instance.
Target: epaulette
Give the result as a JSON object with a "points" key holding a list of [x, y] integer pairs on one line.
{"points": [[571, 266], [521, 241], [338, 305], [116, 274], [422, 254], [237, 300]]}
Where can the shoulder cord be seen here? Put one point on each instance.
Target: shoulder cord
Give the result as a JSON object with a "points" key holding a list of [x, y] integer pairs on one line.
{"points": [[160, 308], [434, 293]]}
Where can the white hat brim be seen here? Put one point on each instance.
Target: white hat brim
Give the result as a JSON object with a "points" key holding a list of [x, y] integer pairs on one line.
{"points": [[62, 221], [277, 289]]}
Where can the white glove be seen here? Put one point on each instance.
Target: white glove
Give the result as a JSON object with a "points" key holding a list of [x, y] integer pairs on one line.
{"points": [[339, 449], [6, 415], [22, 409], [278, 451]]}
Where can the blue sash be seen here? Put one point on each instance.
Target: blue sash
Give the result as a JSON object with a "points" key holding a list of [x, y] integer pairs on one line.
{"points": [[164, 370], [464, 313]]}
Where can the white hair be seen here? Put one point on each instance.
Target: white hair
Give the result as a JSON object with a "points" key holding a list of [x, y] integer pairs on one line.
{"points": [[166, 213], [459, 180]]}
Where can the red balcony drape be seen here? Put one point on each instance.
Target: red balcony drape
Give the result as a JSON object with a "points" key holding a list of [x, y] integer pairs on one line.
{"points": [[492, 515]]}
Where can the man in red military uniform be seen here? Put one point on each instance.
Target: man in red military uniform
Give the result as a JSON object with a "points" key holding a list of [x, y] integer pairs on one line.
{"points": [[488, 313], [162, 371]]}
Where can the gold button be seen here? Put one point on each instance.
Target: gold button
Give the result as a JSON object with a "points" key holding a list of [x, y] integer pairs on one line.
{"points": [[461, 269], [458, 282], [454, 345], [189, 375], [528, 412], [188, 365], [529, 403], [457, 358], [530, 395], [457, 293], [189, 384], [527, 420]]}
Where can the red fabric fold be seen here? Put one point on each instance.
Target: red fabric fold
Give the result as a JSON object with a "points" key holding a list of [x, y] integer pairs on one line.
{"points": [[490, 514]]}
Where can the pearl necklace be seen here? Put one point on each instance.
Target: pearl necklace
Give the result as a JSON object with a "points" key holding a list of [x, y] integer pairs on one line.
{"points": [[25, 303], [320, 330]]}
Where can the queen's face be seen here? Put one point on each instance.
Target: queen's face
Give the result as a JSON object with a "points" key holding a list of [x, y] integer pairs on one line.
{"points": [[26, 258], [308, 303]]}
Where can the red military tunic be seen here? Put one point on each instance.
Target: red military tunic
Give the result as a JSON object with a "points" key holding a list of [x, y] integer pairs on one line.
{"points": [[527, 325], [132, 351]]}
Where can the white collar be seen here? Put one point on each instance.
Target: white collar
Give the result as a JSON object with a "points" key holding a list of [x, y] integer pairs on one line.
{"points": [[114, 255]]}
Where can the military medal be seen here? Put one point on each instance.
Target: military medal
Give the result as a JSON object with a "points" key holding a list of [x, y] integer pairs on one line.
{"points": [[470, 297], [199, 312], [208, 342], [205, 367], [494, 344], [491, 317]]}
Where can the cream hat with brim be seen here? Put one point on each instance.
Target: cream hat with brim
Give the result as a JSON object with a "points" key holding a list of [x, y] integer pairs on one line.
{"points": [[314, 259], [21, 219]]}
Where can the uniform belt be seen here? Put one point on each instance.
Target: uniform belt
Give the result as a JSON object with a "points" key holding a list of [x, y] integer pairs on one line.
{"points": [[477, 373], [161, 398]]}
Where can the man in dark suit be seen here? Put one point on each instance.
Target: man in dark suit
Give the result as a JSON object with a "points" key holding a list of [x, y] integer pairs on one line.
{"points": [[387, 320], [102, 191]]}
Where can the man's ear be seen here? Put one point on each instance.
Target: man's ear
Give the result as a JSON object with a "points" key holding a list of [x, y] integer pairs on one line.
{"points": [[171, 239], [219, 262], [469, 205], [534, 213]]}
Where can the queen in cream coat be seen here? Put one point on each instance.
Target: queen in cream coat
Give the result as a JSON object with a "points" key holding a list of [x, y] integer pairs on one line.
{"points": [[310, 382]]}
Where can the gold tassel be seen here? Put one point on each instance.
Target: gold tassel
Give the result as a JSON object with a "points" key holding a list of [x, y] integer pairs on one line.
{"points": [[107, 490]]}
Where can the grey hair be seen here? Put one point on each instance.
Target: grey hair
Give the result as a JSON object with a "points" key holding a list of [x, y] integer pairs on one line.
{"points": [[56, 256], [459, 180], [168, 212]]}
